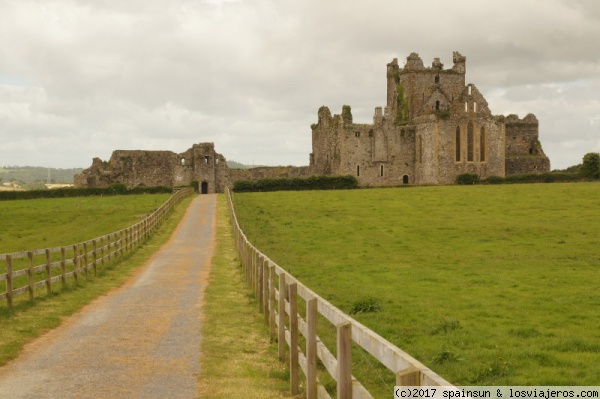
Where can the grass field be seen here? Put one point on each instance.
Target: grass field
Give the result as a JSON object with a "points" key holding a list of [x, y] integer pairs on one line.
{"points": [[46, 223], [486, 285], [29, 319]]}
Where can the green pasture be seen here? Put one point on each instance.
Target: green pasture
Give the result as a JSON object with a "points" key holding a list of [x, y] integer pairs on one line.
{"points": [[46, 223], [486, 285]]}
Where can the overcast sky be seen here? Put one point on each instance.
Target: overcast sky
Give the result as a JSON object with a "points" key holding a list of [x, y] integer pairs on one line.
{"points": [[79, 79]]}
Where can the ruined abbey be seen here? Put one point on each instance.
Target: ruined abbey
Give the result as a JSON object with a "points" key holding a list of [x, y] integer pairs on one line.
{"points": [[434, 127]]}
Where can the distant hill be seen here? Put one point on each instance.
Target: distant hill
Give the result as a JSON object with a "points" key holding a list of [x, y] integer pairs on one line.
{"points": [[31, 177], [237, 165]]}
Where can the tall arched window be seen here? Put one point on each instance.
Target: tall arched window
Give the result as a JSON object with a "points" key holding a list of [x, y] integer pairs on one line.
{"points": [[470, 142], [482, 144], [457, 144]]}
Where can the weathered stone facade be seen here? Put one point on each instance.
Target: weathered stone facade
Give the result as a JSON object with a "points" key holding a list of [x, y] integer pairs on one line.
{"points": [[200, 163], [433, 128]]}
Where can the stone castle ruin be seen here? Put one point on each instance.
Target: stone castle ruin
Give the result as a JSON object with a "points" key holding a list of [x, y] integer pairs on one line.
{"points": [[433, 128]]}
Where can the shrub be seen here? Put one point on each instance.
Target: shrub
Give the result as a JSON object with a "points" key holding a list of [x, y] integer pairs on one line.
{"points": [[494, 180], [590, 168], [296, 184], [365, 305], [467, 178], [115, 189]]}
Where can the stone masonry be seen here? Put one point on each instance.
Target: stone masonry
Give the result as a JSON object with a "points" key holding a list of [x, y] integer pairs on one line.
{"points": [[433, 128]]}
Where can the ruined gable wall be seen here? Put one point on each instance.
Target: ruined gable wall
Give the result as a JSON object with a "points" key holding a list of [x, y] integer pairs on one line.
{"points": [[492, 163], [376, 154], [524, 153], [131, 167]]}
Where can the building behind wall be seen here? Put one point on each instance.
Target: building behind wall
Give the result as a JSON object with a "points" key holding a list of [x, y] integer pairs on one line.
{"points": [[433, 128]]}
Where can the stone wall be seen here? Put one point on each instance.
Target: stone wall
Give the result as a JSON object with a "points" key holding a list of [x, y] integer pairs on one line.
{"points": [[524, 153]]}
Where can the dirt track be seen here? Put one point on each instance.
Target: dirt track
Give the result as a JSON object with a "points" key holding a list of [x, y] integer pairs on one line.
{"points": [[140, 341]]}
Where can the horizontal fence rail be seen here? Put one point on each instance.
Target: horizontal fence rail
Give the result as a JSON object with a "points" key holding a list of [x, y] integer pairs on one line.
{"points": [[278, 294], [24, 276]]}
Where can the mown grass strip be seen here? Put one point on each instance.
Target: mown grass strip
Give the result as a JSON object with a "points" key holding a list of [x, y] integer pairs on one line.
{"points": [[237, 359], [30, 319]]}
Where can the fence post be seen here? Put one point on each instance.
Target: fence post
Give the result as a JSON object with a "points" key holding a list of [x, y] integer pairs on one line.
{"points": [[344, 361], [75, 263], [30, 274], [9, 281], [247, 265], [63, 267], [119, 251], [272, 325], [281, 316], [102, 251], [95, 256], [255, 272], [85, 260], [311, 348], [293, 290], [265, 290], [408, 378], [260, 284], [48, 273]]}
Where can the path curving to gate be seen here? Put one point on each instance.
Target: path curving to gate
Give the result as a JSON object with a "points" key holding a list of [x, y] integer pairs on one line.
{"points": [[139, 341]]}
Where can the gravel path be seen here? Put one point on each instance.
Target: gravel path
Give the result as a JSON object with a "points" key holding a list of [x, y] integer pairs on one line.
{"points": [[139, 341]]}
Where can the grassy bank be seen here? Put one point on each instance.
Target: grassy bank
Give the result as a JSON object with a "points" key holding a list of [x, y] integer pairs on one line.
{"points": [[46, 223], [237, 358], [29, 320], [487, 285]]}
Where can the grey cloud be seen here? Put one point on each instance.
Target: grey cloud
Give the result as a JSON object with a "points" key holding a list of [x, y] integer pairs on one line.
{"points": [[87, 77]]}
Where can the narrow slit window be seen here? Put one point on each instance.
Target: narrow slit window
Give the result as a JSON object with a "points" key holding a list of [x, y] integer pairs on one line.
{"points": [[381, 171], [482, 145], [357, 170], [470, 142], [437, 105], [457, 144]]}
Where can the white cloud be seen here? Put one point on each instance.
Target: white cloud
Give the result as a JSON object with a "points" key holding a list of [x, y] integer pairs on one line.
{"points": [[86, 77]]}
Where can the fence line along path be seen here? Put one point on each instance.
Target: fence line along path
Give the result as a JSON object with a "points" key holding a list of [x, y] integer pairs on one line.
{"points": [[58, 265], [279, 295], [140, 341]]}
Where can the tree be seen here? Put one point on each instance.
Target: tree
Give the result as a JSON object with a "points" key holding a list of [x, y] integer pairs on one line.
{"points": [[590, 168]]}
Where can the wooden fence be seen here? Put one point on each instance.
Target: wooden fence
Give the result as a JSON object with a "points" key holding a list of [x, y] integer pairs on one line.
{"points": [[76, 260], [278, 294]]}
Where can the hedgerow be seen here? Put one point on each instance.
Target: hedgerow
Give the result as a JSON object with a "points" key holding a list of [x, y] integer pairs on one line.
{"points": [[296, 184], [115, 189]]}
